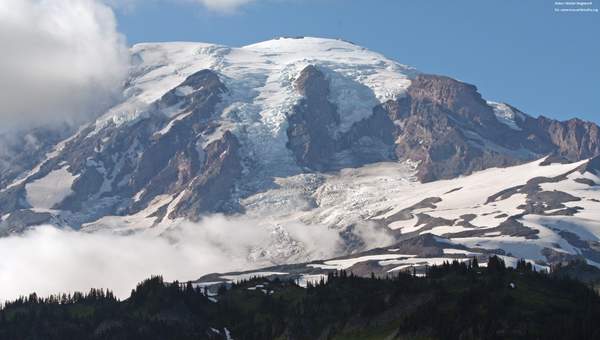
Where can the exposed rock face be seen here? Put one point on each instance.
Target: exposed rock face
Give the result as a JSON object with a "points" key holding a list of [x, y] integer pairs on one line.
{"points": [[12, 199], [209, 191], [20, 220], [22, 150], [369, 140], [313, 132], [462, 101], [593, 165], [442, 123], [574, 139], [205, 87], [311, 125], [123, 169], [446, 126]]}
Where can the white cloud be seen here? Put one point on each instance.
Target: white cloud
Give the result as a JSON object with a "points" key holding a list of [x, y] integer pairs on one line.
{"points": [[224, 5], [59, 59], [49, 260]]}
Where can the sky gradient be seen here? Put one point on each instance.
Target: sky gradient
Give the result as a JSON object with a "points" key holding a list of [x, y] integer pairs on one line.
{"points": [[519, 52]]}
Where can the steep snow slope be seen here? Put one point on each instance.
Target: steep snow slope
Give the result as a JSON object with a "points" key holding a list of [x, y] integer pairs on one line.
{"points": [[260, 81]]}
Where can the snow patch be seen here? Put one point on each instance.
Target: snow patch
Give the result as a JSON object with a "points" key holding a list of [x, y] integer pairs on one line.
{"points": [[304, 279], [50, 190], [506, 115], [452, 251], [347, 263], [248, 276], [419, 262]]}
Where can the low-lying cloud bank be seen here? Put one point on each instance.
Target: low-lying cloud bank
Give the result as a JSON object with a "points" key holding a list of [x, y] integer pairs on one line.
{"points": [[61, 60], [49, 260]]}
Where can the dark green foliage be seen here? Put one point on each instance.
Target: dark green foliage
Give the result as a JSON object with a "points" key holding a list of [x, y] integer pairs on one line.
{"points": [[455, 301], [579, 270]]}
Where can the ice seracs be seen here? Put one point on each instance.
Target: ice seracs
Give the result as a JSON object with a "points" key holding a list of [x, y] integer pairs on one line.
{"points": [[260, 78]]}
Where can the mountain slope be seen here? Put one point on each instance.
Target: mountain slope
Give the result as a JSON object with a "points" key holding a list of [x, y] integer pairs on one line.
{"points": [[320, 131]]}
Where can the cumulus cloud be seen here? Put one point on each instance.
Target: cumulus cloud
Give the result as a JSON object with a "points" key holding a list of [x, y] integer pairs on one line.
{"points": [[64, 60], [61, 60], [50, 260]]}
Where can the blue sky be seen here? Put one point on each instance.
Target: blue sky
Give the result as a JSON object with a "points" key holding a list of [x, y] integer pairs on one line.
{"points": [[515, 51]]}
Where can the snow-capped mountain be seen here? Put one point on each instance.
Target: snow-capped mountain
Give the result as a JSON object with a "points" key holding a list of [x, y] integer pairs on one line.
{"points": [[326, 133]]}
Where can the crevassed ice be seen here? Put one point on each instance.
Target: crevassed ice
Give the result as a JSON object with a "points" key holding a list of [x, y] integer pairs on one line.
{"points": [[260, 80]]}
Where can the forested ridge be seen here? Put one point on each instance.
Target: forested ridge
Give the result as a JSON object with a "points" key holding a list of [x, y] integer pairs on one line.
{"points": [[453, 301]]}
